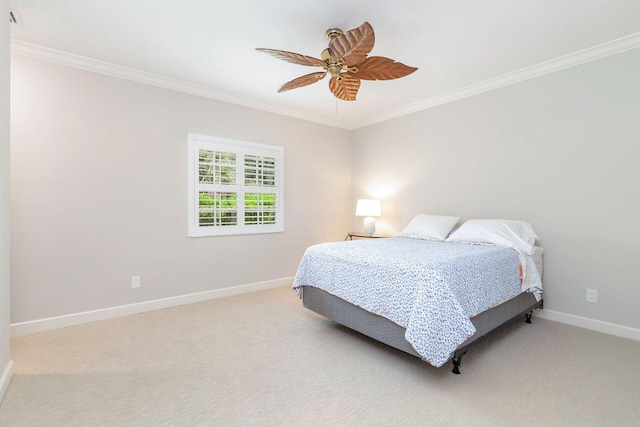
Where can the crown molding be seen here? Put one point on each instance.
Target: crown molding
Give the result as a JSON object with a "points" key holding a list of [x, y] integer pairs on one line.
{"points": [[96, 66], [593, 53]]}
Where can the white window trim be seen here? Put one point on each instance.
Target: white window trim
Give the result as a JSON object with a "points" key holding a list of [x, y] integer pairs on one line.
{"points": [[197, 141]]}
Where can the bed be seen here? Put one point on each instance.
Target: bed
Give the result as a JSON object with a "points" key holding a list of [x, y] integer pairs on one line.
{"points": [[430, 298]]}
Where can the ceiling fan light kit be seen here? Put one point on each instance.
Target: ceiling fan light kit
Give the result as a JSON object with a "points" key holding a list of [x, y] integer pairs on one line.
{"points": [[346, 60]]}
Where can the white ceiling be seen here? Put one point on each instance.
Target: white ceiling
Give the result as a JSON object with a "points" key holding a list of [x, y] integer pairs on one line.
{"points": [[207, 46]]}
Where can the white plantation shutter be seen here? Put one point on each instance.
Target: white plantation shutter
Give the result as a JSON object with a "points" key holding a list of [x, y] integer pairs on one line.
{"points": [[235, 187]]}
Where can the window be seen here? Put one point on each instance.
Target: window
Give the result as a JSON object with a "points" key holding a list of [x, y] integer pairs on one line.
{"points": [[235, 187]]}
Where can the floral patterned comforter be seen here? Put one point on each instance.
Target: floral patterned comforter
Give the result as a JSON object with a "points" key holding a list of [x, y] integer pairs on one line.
{"points": [[430, 288]]}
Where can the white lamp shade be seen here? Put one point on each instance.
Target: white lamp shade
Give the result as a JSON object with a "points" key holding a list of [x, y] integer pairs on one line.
{"points": [[368, 207]]}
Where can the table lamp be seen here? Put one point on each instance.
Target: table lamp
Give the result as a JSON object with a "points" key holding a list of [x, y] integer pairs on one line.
{"points": [[368, 208]]}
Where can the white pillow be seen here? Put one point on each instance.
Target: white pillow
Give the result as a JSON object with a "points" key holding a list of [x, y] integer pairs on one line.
{"points": [[425, 226], [511, 233]]}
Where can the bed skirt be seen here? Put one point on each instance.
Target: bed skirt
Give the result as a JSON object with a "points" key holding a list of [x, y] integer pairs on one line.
{"points": [[392, 334]]}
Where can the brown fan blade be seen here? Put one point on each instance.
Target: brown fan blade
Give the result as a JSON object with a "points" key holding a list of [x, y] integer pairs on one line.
{"points": [[302, 81], [345, 88], [295, 58], [381, 68], [354, 45]]}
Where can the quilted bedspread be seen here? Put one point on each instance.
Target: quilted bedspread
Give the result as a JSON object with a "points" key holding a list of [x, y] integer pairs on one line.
{"points": [[430, 288]]}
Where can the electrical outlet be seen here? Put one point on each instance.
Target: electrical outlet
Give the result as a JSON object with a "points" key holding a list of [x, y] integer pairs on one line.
{"points": [[135, 281], [592, 295]]}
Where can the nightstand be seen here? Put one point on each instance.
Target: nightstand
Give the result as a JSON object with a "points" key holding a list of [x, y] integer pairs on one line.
{"points": [[360, 234]]}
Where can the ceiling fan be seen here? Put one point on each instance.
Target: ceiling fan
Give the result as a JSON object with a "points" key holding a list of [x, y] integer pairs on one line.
{"points": [[347, 62]]}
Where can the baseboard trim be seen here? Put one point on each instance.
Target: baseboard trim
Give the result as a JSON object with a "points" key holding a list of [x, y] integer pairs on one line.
{"points": [[591, 324], [5, 380], [41, 325]]}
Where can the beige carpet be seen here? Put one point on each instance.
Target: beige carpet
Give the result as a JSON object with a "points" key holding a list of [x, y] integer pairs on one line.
{"points": [[262, 359]]}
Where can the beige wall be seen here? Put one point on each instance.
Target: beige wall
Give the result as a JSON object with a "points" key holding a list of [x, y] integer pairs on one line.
{"points": [[561, 151], [99, 170], [99, 184], [4, 188]]}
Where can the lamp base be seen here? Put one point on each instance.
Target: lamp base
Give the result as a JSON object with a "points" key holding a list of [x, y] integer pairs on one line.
{"points": [[369, 225]]}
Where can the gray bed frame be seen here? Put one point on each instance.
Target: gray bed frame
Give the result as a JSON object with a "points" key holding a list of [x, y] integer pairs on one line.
{"points": [[392, 334]]}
